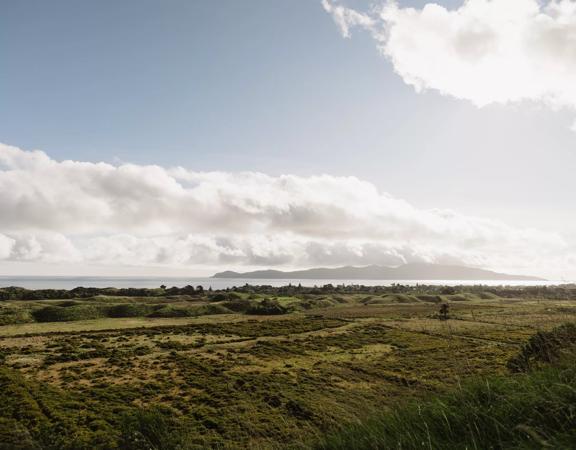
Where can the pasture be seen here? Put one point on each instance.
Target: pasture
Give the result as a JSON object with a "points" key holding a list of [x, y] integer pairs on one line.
{"points": [[244, 369]]}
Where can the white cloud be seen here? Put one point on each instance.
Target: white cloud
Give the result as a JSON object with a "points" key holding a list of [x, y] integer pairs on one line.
{"points": [[43, 246], [485, 51], [96, 213], [6, 246], [347, 18]]}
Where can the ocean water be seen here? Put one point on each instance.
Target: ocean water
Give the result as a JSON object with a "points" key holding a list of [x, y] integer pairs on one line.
{"points": [[223, 283]]}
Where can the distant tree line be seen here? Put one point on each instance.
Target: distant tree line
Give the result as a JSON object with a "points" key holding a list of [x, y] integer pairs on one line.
{"points": [[562, 292], [18, 293]]}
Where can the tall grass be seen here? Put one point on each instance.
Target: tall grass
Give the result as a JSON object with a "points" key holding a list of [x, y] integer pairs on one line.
{"points": [[520, 411]]}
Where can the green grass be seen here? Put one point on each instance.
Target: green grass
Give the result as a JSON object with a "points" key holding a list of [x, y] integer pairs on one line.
{"points": [[34, 416], [532, 410], [276, 368], [125, 323], [522, 411]]}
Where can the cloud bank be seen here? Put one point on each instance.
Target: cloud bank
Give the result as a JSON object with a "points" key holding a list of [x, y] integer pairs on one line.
{"points": [[97, 213], [485, 51]]}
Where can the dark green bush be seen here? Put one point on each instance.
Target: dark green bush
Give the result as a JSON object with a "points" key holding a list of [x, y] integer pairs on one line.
{"points": [[220, 297], [189, 311], [70, 313], [240, 305], [130, 310], [545, 347], [267, 307]]}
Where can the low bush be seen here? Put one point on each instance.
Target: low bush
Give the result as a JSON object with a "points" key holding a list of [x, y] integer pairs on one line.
{"points": [[545, 347], [267, 307], [240, 305], [189, 311], [69, 313], [430, 298], [11, 316], [130, 310]]}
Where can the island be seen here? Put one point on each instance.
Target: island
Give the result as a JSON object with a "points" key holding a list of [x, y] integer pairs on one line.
{"points": [[412, 272]]}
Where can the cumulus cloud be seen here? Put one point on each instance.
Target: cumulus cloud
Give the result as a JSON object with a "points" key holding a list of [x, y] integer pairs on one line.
{"points": [[96, 213], [485, 51], [6, 246]]}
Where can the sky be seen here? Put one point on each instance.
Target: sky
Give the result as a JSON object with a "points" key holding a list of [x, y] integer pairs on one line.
{"points": [[187, 136]]}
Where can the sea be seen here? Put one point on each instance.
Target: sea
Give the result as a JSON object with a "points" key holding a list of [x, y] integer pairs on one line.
{"points": [[62, 282]]}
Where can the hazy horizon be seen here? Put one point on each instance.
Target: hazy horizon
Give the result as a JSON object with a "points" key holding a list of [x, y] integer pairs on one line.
{"points": [[184, 138]]}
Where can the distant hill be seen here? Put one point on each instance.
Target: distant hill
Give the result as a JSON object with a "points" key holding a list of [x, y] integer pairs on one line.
{"points": [[415, 271]]}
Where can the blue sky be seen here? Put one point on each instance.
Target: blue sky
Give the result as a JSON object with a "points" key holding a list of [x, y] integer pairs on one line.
{"points": [[179, 82], [269, 86], [257, 85]]}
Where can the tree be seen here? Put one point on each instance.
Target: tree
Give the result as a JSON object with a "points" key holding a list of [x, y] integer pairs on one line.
{"points": [[444, 310]]}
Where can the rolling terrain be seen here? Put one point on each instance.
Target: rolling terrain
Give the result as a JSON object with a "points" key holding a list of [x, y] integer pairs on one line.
{"points": [[255, 367]]}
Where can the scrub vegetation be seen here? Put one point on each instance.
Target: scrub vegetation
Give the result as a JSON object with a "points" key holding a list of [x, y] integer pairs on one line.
{"points": [[292, 367]]}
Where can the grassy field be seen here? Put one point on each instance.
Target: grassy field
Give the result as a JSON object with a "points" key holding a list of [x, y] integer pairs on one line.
{"points": [[244, 370]]}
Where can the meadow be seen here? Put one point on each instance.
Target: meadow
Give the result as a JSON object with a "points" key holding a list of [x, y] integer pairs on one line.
{"points": [[263, 367]]}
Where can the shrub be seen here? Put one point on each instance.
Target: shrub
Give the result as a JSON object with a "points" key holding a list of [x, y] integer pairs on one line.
{"points": [[214, 309], [189, 311], [545, 347], [218, 297], [151, 429], [430, 298], [10, 316], [234, 296], [174, 311], [240, 305], [267, 307], [70, 313], [129, 310], [67, 303]]}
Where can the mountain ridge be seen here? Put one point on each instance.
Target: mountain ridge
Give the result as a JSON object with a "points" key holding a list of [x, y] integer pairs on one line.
{"points": [[411, 272]]}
